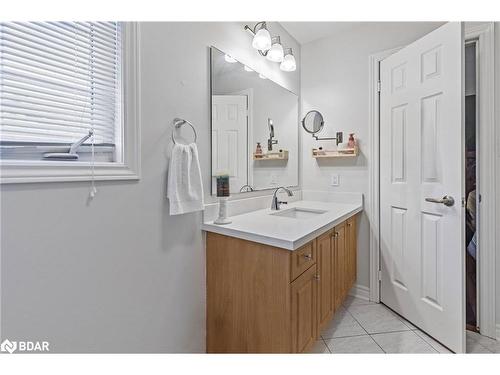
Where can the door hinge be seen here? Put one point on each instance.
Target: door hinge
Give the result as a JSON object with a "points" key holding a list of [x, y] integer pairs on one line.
{"points": [[379, 86], [379, 275], [463, 202]]}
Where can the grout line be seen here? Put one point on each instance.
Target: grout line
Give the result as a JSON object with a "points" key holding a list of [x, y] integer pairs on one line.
{"points": [[327, 347], [401, 318], [376, 343], [431, 344], [478, 343], [386, 332], [424, 340], [381, 333], [376, 333], [342, 337], [397, 316]]}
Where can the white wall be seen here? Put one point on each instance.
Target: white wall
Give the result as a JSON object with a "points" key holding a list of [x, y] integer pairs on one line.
{"points": [[334, 81], [120, 274]]}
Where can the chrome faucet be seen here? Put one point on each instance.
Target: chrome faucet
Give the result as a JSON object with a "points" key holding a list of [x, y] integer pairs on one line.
{"points": [[275, 204]]}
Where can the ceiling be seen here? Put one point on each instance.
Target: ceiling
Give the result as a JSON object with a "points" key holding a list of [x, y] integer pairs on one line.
{"points": [[305, 32]]}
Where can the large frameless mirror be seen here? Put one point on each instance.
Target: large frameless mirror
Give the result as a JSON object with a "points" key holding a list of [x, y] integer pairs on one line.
{"points": [[254, 127]]}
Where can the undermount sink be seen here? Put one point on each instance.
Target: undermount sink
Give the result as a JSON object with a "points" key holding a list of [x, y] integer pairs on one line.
{"points": [[299, 213]]}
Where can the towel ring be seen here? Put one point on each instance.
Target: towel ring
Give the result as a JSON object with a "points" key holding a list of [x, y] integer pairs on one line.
{"points": [[178, 122]]}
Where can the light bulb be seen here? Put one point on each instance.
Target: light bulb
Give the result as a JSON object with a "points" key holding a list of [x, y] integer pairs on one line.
{"points": [[229, 59], [276, 52], [288, 64], [262, 39], [262, 76], [248, 69]]}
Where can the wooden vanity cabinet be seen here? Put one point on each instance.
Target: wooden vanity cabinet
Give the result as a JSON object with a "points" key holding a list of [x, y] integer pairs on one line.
{"points": [[326, 275], [264, 299], [352, 246], [340, 259]]}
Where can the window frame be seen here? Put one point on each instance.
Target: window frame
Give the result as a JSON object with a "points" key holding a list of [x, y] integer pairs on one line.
{"points": [[30, 171]]}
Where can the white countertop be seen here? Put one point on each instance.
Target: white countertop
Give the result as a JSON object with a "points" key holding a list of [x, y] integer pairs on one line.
{"points": [[285, 232]]}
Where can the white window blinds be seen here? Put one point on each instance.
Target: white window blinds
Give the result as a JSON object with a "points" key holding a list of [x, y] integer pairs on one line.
{"points": [[58, 80]]}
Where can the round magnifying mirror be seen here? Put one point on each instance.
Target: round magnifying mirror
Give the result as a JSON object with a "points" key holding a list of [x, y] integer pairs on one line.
{"points": [[313, 122]]}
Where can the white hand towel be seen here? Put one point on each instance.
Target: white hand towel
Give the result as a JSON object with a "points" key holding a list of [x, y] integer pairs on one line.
{"points": [[184, 185]]}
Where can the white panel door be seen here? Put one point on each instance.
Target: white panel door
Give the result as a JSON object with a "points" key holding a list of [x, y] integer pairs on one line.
{"points": [[229, 139], [421, 156]]}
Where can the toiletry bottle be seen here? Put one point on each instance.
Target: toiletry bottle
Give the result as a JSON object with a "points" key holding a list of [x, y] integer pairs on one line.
{"points": [[352, 141], [258, 149]]}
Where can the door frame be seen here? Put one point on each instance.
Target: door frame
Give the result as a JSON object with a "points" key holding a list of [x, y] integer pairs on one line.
{"points": [[484, 33]]}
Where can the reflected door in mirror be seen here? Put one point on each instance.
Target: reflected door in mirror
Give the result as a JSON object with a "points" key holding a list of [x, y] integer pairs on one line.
{"points": [[229, 139]]}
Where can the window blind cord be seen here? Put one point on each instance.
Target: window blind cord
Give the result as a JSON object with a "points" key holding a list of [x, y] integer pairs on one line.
{"points": [[93, 189]]}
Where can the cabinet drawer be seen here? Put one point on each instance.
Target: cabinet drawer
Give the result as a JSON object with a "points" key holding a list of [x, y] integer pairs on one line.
{"points": [[303, 258]]}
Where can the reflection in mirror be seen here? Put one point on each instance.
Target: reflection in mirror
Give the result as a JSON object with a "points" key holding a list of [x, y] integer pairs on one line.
{"points": [[254, 127]]}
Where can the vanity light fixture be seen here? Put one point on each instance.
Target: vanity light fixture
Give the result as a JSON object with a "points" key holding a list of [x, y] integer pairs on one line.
{"points": [[276, 52], [261, 37], [288, 64], [248, 69], [229, 59], [271, 48]]}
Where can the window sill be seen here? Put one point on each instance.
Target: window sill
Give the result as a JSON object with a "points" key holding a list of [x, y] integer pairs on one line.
{"points": [[14, 172]]}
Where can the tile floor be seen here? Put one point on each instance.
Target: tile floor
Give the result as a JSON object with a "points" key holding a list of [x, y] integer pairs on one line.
{"points": [[365, 327]]}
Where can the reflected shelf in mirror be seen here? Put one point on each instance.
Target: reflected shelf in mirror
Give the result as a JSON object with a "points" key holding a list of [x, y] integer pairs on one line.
{"points": [[279, 155]]}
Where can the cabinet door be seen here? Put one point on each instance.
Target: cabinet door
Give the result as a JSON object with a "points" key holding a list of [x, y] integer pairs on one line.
{"points": [[340, 264], [352, 250], [304, 318], [324, 249]]}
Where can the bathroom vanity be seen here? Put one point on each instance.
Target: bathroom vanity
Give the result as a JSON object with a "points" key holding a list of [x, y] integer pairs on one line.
{"points": [[276, 278]]}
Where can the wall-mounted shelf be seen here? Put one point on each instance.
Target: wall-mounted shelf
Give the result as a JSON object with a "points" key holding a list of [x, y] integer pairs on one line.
{"points": [[283, 155], [331, 154]]}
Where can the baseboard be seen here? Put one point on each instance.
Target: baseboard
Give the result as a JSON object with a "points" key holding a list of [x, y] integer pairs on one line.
{"points": [[363, 292]]}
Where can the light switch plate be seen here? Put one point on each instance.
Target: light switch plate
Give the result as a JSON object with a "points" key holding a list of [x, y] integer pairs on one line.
{"points": [[335, 180]]}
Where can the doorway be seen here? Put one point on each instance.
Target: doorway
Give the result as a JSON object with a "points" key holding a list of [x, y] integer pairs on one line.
{"points": [[483, 35], [421, 184], [472, 203]]}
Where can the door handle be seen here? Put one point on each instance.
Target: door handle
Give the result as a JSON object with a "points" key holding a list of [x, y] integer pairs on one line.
{"points": [[446, 200]]}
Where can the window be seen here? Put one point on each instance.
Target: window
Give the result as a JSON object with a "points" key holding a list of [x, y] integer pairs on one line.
{"points": [[61, 82]]}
